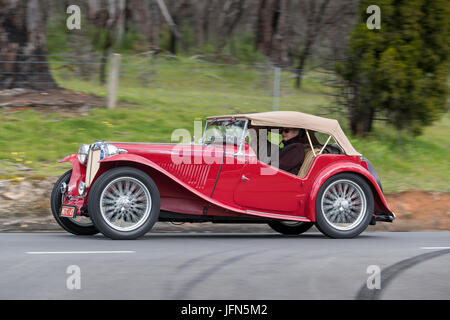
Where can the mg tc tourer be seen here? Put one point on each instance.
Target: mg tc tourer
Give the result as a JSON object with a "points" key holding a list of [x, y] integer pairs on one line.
{"points": [[231, 175]]}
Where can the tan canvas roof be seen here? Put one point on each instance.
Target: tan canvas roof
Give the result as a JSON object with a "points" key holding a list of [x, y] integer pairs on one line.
{"points": [[293, 119]]}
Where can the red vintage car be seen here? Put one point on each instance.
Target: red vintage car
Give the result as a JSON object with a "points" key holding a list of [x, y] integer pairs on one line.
{"points": [[229, 176]]}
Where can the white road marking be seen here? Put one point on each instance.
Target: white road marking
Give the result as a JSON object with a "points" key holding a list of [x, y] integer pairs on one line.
{"points": [[434, 248], [75, 252]]}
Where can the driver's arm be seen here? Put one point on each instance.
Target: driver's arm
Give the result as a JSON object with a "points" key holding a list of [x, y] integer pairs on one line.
{"points": [[291, 158]]}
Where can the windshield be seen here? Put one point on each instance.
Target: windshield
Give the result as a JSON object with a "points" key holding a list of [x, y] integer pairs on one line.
{"points": [[224, 131]]}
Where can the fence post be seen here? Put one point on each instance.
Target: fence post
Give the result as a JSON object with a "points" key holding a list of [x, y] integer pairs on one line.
{"points": [[113, 81], [276, 89]]}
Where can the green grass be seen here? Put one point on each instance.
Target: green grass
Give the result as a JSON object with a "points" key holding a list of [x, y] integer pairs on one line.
{"points": [[172, 94], [406, 163]]}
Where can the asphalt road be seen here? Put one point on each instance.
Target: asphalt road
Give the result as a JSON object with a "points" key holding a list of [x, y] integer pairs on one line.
{"points": [[413, 265]]}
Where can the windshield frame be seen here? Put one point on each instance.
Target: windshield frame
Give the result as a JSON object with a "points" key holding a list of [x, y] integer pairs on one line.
{"points": [[241, 139]]}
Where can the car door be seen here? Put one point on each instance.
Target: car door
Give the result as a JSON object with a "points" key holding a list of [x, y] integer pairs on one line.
{"points": [[266, 188]]}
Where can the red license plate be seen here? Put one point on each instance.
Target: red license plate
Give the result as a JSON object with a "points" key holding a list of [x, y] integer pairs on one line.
{"points": [[68, 211]]}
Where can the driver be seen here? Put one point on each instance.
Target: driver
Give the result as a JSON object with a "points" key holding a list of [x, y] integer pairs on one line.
{"points": [[293, 152]]}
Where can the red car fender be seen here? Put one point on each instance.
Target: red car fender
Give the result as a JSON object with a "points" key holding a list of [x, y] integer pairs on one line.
{"points": [[149, 163], [78, 174], [345, 166]]}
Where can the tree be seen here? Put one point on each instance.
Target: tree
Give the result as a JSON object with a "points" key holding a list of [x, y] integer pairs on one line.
{"points": [[108, 16], [23, 46], [272, 29], [400, 70], [313, 13], [321, 23], [173, 21]]}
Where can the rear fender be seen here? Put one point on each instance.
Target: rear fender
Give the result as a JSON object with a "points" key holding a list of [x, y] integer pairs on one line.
{"points": [[351, 167]]}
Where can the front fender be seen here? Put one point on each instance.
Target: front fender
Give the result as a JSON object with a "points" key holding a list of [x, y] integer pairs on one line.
{"points": [[144, 161], [78, 174], [346, 166]]}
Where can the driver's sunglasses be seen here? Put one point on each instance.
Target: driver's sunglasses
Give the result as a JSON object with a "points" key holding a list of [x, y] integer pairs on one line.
{"points": [[285, 130]]}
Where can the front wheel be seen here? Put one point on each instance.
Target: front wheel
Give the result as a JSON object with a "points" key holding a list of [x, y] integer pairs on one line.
{"points": [[344, 206], [290, 227], [124, 203]]}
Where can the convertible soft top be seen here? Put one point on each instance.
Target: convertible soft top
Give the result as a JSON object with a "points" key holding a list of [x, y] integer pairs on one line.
{"points": [[294, 119]]}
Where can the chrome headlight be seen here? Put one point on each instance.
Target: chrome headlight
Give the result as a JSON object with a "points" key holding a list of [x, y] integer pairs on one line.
{"points": [[83, 153], [108, 150], [82, 188]]}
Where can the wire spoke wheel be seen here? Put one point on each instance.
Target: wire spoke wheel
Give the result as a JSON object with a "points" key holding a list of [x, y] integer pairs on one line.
{"points": [[82, 221], [125, 204], [290, 227], [344, 204]]}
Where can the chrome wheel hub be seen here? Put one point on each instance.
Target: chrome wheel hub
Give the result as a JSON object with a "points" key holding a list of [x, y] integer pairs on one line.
{"points": [[125, 204], [344, 204]]}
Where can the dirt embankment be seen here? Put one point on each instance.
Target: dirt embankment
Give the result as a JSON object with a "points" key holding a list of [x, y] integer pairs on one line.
{"points": [[418, 210], [24, 206], [60, 100]]}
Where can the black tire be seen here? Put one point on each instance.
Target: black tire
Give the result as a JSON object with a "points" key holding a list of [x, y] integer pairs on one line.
{"points": [[66, 223], [282, 228], [94, 203], [326, 227]]}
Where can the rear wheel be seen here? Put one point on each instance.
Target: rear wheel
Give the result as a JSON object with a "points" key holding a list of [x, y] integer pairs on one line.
{"points": [[344, 206], [290, 227], [124, 203], [77, 225]]}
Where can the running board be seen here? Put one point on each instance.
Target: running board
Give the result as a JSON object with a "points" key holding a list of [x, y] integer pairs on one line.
{"points": [[277, 216]]}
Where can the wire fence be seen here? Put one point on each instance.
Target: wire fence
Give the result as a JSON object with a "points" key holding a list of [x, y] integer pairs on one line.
{"points": [[166, 75]]}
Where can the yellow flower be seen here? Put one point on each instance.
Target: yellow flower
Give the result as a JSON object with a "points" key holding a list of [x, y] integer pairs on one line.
{"points": [[19, 159], [14, 153], [28, 162]]}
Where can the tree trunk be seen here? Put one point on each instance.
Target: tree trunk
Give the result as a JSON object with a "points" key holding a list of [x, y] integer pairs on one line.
{"points": [[361, 123], [141, 15], [23, 46], [264, 32], [361, 116], [280, 56], [155, 25], [173, 43], [301, 66], [315, 13], [174, 32], [105, 53], [200, 21]]}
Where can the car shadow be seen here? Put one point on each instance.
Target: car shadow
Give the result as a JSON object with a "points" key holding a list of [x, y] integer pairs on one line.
{"points": [[176, 235], [208, 235]]}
